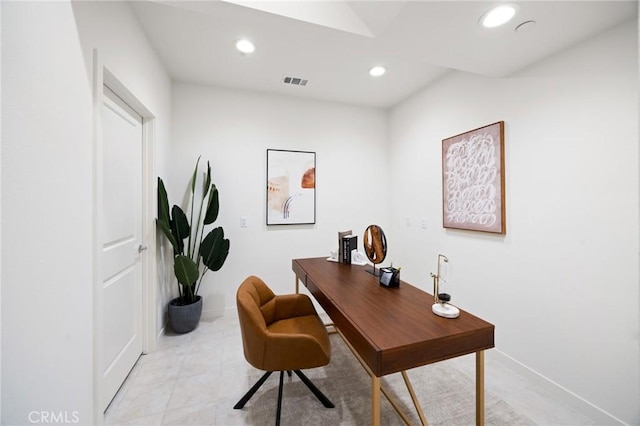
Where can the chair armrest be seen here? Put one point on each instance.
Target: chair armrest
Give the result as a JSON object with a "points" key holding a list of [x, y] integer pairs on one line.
{"points": [[293, 305]]}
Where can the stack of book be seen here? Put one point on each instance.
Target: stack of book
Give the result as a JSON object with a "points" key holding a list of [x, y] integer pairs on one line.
{"points": [[346, 243]]}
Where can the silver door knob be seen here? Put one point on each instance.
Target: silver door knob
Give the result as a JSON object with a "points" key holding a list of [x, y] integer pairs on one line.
{"points": [[141, 248]]}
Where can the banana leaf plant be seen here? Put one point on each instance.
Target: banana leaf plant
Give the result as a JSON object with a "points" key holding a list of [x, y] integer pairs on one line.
{"points": [[201, 252]]}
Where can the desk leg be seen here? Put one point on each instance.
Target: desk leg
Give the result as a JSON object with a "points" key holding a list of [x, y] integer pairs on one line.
{"points": [[297, 284], [416, 404], [375, 400], [480, 388]]}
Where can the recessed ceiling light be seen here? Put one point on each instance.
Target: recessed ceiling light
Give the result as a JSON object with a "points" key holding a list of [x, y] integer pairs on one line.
{"points": [[245, 46], [498, 16], [377, 71]]}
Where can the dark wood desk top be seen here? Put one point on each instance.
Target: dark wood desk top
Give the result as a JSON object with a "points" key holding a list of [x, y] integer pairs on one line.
{"points": [[392, 329]]}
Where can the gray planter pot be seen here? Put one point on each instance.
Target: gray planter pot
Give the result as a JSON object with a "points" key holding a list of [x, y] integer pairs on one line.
{"points": [[184, 318]]}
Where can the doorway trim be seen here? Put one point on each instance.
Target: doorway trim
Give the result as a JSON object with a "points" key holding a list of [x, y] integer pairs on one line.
{"points": [[101, 77]]}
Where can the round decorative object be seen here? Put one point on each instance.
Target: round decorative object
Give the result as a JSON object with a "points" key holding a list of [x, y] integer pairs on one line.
{"points": [[375, 244]]}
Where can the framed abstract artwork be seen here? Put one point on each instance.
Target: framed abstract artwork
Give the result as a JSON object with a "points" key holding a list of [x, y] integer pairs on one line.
{"points": [[473, 180], [291, 187]]}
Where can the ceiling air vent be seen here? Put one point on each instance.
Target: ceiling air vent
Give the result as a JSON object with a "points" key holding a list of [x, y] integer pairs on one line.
{"points": [[295, 81]]}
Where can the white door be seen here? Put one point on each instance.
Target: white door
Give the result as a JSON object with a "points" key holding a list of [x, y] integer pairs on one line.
{"points": [[122, 249]]}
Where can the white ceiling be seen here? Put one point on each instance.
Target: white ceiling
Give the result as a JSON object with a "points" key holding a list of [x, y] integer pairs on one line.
{"points": [[334, 43]]}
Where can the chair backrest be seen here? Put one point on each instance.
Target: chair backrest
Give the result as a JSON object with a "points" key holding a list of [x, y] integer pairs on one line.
{"points": [[256, 307]]}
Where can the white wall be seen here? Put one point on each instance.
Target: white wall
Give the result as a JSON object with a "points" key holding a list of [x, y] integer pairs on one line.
{"points": [[46, 211], [113, 29], [0, 214], [562, 285], [233, 129], [47, 194]]}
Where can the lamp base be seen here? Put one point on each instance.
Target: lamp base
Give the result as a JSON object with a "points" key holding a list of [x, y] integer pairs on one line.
{"points": [[445, 310]]}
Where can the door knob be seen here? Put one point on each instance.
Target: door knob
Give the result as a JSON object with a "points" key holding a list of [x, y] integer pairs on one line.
{"points": [[141, 248]]}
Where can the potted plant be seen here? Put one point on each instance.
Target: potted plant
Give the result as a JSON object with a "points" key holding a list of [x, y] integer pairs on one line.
{"points": [[200, 253]]}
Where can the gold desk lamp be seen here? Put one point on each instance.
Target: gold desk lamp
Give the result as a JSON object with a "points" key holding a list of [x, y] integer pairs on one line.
{"points": [[441, 305]]}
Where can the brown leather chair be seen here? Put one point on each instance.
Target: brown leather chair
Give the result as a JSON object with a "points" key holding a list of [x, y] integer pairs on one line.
{"points": [[280, 333]]}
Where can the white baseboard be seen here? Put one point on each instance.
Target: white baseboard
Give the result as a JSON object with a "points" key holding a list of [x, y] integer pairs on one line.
{"points": [[162, 330], [557, 391], [212, 314], [207, 315]]}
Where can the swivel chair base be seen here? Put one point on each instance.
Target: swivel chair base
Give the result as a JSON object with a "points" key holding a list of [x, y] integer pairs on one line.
{"points": [[323, 399]]}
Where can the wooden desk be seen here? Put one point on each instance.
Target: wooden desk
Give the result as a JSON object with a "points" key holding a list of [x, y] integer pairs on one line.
{"points": [[393, 329]]}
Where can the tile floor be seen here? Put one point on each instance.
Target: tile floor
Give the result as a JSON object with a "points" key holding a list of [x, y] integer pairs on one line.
{"points": [[195, 379]]}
